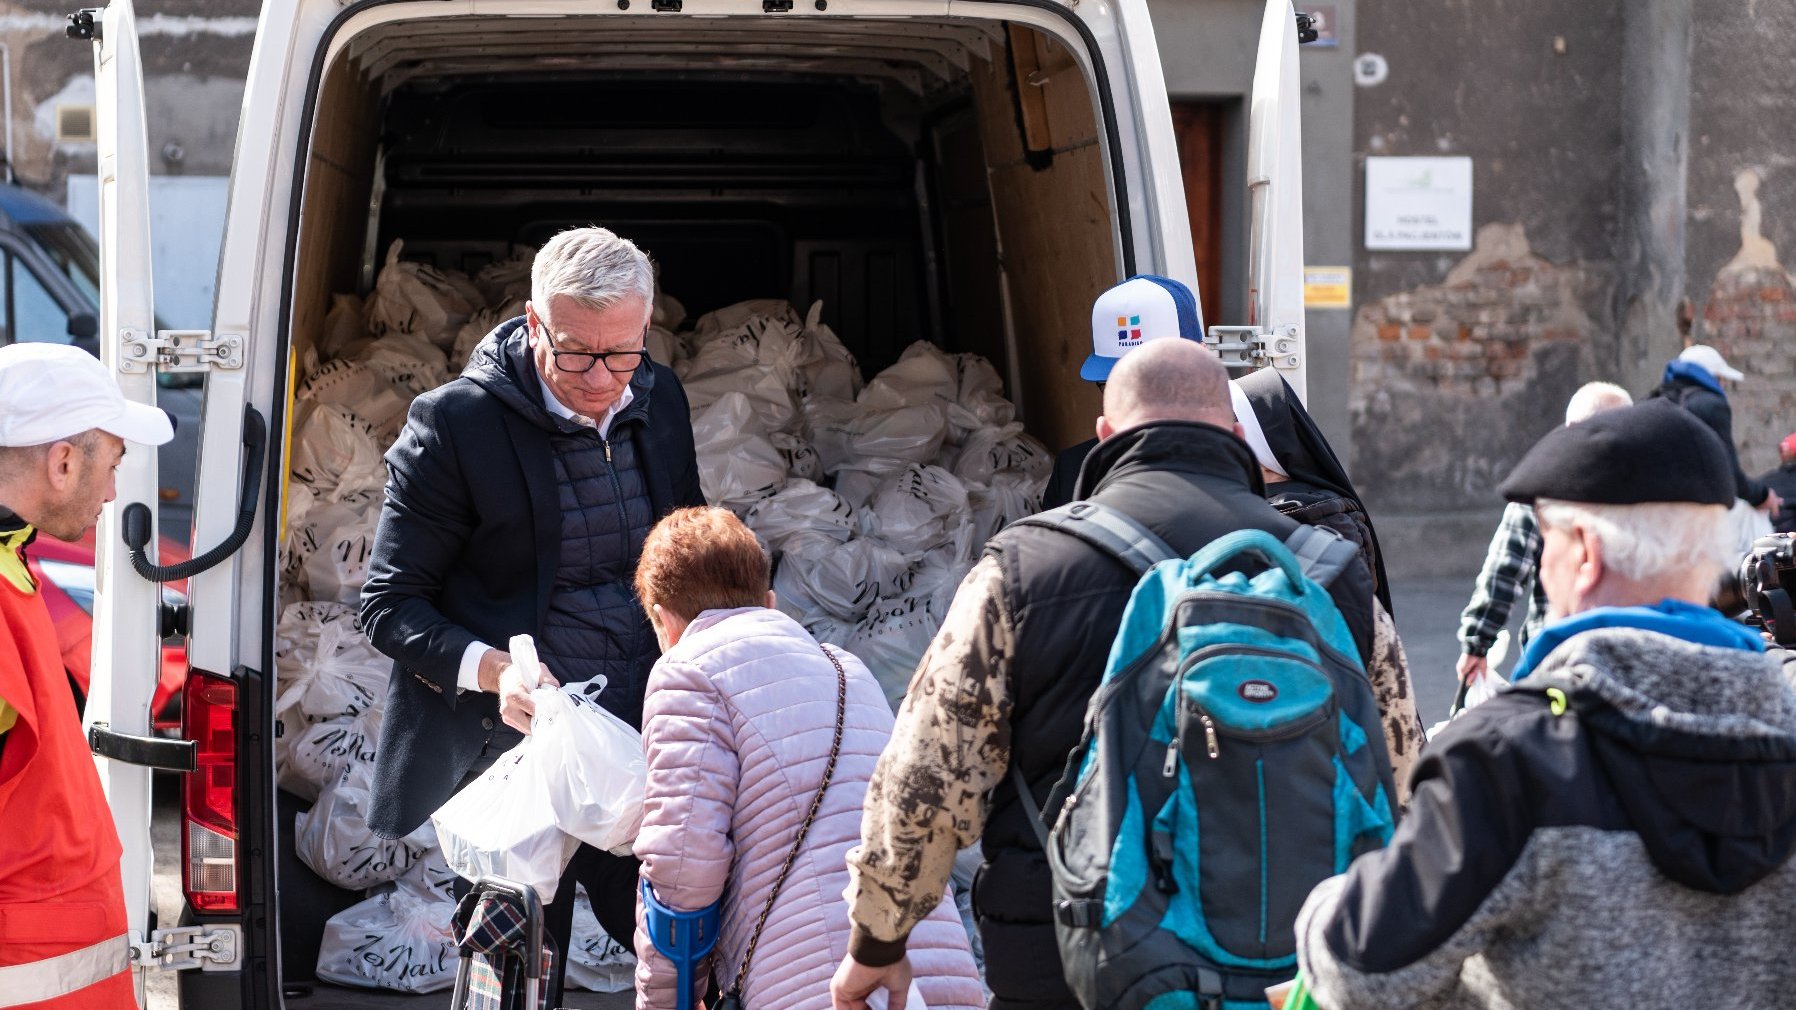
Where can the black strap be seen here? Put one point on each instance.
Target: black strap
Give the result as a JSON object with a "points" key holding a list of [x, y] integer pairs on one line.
{"points": [[1109, 531], [1029, 807]]}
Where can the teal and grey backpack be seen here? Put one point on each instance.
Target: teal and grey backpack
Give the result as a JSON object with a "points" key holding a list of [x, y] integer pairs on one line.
{"points": [[1232, 759]]}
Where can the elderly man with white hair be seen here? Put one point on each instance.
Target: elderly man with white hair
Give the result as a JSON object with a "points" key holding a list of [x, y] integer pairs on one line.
{"points": [[1615, 828], [1511, 560], [518, 498]]}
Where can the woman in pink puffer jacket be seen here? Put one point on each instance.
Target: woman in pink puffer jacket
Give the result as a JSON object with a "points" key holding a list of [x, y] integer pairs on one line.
{"points": [[738, 724]]}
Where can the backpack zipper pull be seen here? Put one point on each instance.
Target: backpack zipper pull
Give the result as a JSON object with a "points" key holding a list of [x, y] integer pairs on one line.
{"points": [[1171, 767], [1210, 735]]}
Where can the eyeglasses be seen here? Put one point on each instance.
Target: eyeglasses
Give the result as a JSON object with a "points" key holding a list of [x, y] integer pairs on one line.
{"points": [[616, 362]]}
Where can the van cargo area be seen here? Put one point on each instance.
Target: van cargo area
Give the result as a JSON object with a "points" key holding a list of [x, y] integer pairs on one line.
{"points": [[939, 180]]}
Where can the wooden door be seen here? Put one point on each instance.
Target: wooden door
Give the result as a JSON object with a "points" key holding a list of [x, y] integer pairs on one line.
{"points": [[1198, 127]]}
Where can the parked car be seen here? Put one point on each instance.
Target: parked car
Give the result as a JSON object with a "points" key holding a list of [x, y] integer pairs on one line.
{"points": [[65, 576], [50, 291]]}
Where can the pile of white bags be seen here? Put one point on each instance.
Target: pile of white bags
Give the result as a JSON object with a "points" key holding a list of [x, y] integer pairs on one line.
{"points": [[595, 962], [874, 501]]}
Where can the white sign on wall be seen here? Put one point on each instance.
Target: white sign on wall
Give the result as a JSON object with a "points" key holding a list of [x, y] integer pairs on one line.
{"points": [[1419, 203]]}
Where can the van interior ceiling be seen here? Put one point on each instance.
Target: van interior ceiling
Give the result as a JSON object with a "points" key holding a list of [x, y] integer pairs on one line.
{"points": [[889, 170], [939, 180]]}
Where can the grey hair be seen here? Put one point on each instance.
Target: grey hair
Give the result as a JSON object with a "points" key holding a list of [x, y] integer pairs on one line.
{"points": [[595, 267], [1652, 539], [1594, 398]]}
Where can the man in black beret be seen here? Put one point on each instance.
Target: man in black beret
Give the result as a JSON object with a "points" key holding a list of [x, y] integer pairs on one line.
{"points": [[1613, 829]]}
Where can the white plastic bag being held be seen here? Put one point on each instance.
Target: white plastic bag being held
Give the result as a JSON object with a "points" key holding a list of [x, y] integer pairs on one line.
{"points": [[594, 764], [400, 940], [333, 837], [503, 824]]}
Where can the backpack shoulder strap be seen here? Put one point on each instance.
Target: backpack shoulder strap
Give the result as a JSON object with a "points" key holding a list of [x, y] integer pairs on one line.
{"points": [[1108, 530], [1322, 553], [1030, 810]]}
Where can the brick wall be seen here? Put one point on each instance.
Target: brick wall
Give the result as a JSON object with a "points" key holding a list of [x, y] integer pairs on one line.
{"points": [[1750, 317]]}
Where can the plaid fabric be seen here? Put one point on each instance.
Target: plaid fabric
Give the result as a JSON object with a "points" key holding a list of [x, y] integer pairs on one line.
{"points": [[493, 933], [1509, 570]]}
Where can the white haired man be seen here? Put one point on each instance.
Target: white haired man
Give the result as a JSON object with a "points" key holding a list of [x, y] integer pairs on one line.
{"points": [[518, 498], [1514, 554], [1615, 828]]}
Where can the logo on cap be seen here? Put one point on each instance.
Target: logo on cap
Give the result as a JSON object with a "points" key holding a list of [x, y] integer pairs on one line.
{"points": [[1257, 691], [1128, 330]]}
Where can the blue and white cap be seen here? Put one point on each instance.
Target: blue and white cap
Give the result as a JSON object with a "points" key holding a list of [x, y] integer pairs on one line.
{"points": [[1140, 309]]}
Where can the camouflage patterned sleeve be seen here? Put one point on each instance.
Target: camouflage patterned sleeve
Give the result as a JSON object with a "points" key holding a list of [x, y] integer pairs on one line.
{"points": [[1389, 674], [928, 798]]}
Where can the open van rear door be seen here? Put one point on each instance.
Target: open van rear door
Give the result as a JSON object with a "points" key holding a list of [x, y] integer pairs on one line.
{"points": [[1275, 330], [126, 629]]}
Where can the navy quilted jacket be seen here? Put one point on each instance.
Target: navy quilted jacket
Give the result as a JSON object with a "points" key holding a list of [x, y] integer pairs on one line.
{"points": [[501, 518]]}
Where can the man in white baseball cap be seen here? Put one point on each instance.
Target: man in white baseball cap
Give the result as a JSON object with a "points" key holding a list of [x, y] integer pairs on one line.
{"points": [[1140, 310], [1693, 381], [63, 428]]}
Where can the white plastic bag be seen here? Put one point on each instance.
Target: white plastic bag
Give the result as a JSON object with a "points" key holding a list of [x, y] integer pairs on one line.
{"points": [[421, 299], [360, 390], [345, 333], [880, 999], [400, 940], [408, 360], [829, 370], [595, 962], [923, 376], [732, 318], [502, 824], [891, 640], [738, 465], [593, 764], [333, 837], [508, 279], [338, 675], [472, 332], [918, 509], [335, 451], [851, 434], [821, 576], [800, 507], [322, 751], [339, 565]]}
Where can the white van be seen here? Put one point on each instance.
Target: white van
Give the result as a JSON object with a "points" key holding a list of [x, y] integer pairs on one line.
{"points": [[971, 172]]}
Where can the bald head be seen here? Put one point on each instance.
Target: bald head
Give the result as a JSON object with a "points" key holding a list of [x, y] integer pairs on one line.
{"points": [[1167, 380]]}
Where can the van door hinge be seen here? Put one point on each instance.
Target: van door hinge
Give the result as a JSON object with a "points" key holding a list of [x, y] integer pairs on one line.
{"points": [[184, 948], [1253, 347], [179, 351]]}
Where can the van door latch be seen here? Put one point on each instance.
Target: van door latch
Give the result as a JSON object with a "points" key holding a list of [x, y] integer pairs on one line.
{"points": [[1255, 347], [179, 351], [184, 948]]}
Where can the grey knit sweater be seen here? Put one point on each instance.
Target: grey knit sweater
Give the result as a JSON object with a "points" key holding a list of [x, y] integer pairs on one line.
{"points": [[1613, 831]]}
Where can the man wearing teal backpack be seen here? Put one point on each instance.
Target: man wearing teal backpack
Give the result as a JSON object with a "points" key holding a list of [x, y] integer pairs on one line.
{"points": [[1006, 682]]}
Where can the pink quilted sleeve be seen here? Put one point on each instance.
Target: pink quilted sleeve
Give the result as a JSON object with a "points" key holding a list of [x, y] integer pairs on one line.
{"points": [[687, 803]]}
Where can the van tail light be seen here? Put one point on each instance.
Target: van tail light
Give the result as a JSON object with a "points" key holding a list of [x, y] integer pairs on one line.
{"points": [[209, 797]]}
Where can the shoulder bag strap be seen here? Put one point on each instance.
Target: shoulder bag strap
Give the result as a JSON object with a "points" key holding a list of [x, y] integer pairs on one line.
{"points": [[1321, 552], [835, 750], [1109, 531]]}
